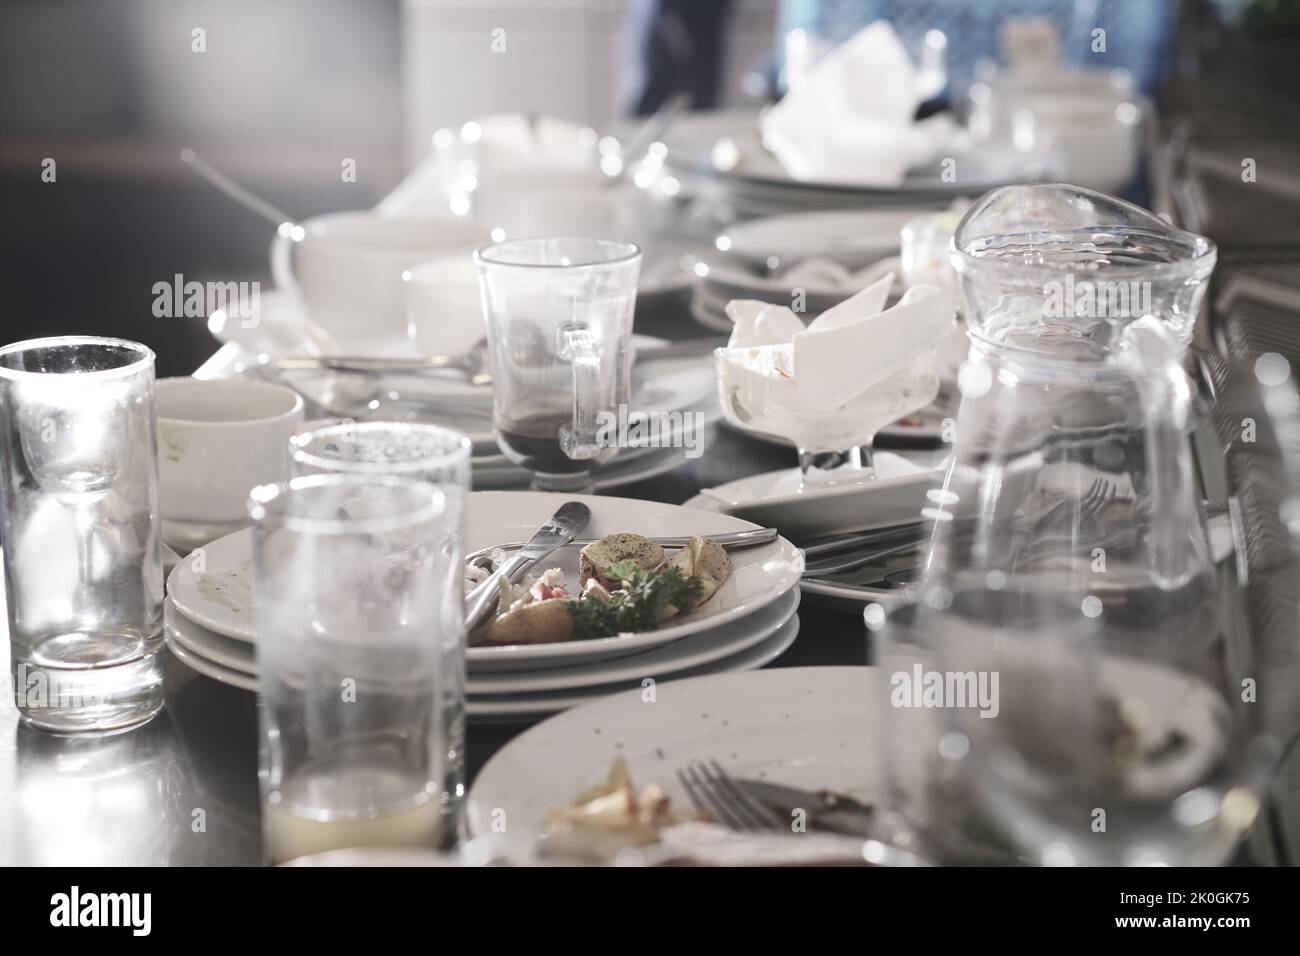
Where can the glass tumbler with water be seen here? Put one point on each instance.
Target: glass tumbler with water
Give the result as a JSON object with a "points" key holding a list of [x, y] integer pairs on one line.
{"points": [[80, 523]]}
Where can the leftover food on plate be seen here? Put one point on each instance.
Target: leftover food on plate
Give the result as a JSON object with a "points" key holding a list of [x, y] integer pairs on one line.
{"points": [[608, 818], [626, 584]]}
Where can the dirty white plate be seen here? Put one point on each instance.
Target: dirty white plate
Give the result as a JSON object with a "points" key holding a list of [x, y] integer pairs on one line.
{"points": [[660, 662], [213, 586], [808, 727]]}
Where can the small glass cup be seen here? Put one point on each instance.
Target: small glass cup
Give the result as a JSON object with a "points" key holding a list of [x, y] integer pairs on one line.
{"points": [[350, 583], [440, 456], [559, 317], [80, 522]]}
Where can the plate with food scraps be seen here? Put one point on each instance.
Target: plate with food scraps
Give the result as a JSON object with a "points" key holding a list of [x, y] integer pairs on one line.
{"points": [[213, 585], [662, 662], [721, 645], [809, 727], [751, 578]]}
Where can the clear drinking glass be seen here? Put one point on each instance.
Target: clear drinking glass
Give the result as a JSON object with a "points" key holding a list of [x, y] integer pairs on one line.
{"points": [[1069, 568], [441, 457], [351, 584], [80, 523], [559, 318]]}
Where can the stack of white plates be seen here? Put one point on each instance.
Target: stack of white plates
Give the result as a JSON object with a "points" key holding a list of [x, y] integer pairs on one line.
{"points": [[682, 385], [749, 622], [719, 158]]}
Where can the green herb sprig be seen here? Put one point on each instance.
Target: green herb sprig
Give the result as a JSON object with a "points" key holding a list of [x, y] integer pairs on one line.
{"points": [[638, 606]]}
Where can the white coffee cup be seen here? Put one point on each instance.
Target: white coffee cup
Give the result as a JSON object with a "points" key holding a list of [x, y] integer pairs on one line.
{"points": [[444, 308], [346, 267], [217, 440]]}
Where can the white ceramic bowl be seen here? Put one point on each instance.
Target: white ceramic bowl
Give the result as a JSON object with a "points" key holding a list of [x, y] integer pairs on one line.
{"points": [[217, 439]]}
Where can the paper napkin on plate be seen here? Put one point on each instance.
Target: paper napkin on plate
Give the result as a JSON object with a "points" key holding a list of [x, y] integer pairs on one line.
{"points": [[851, 119]]}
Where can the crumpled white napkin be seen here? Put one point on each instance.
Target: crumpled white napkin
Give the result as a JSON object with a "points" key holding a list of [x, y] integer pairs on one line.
{"points": [[848, 349], [851, 119]]}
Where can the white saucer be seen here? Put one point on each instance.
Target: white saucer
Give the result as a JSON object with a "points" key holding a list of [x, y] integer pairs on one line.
{"points": [[777, 498]]}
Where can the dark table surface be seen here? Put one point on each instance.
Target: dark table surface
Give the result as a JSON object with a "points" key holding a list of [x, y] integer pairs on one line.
{"points": [[182, 790]]}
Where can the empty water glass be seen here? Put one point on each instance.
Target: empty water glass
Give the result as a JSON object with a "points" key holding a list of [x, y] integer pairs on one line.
{"points": [[559, 318], [80, 523], [440, 456], [352, 582]]}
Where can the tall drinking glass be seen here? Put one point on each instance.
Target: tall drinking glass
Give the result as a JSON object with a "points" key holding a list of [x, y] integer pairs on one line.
{"points": [[559, 318], [440, 456], [80, 523], [350, 579]]}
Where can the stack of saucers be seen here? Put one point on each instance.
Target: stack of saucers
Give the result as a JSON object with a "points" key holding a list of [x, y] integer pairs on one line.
{"points": [[750, 621]]}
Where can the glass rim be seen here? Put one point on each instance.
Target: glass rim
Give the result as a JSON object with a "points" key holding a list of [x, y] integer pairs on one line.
{"points": [[269, 505], [181, 381], [462, 451], [1204, 251], [631, 252], [144, 357]]}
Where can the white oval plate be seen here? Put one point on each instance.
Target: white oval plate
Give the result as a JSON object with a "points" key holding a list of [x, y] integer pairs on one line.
{"points": [[759, 575], [809, 727], [218, 596], [669, 659], [662, 661]]}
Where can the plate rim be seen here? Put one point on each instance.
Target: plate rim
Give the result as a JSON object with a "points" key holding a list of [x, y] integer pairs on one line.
{"points": [[763, 653], [585, 715], [745, 639]]}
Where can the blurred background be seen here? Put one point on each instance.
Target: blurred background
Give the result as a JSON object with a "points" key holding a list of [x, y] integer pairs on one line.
{"points": [[279, 93]]}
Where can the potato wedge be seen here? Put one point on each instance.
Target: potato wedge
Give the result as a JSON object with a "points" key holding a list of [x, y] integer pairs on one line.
{"points": [[705, 559], [623, 546], [545, 622]]}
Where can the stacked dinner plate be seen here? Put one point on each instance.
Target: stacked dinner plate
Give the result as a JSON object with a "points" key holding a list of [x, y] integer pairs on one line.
{"points": [[749, 622], [682, 386], [719, 159]]}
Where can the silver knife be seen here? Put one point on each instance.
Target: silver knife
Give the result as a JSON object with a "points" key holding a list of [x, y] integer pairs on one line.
{"points": [[559, 529], [825, 809]]}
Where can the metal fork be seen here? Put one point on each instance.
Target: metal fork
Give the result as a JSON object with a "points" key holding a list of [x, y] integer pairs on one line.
{"points": [[715, 794]]}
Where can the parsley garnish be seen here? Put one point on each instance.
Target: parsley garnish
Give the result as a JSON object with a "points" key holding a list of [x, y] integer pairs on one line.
{"points": [[638, 605]]}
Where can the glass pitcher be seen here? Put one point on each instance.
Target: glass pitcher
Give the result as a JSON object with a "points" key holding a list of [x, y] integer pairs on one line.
{"points": [[559, 324], [1059, 690]]}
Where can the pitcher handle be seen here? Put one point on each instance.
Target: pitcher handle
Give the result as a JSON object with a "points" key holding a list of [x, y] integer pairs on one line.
{"points": [[581, 439], [282, 261], [1154, 358]]}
